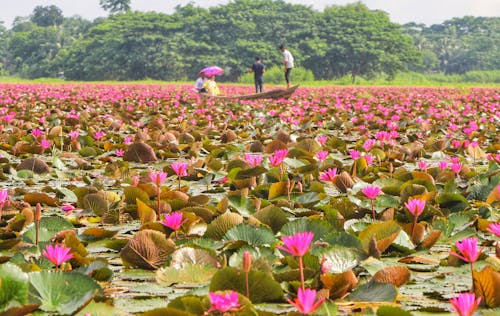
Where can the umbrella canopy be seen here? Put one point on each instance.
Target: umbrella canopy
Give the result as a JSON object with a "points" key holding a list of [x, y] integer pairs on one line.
{"points": [[212, 71]]}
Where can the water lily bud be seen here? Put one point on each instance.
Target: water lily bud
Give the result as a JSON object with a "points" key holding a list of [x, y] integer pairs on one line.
{"points": [[38, 212], [247, 261]]}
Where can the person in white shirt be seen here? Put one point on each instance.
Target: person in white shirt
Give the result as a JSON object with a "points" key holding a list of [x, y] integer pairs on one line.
{"points": [[288, 63], [198, 85]]}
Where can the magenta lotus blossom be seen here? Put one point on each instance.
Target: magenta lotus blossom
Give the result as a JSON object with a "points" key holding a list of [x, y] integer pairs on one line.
{"points": [[68, 208], [371, 191], [442, 165], [369, 144], [158, 177], [456, 167], [355, 154], [494, 228], [297, 245], [180, 168], [322, 155], [45, 144], [253, 160], [416, 208], [57, 254], [465, 304], [174, 220], [98, 135], [277, 157], [224, 302], [328, 175], [36, 132], [74, 135], [468, 250], [368, 159], [127, 140], [423, 165], [4, 198], [322, 139], [306, 302], [119, 152]]}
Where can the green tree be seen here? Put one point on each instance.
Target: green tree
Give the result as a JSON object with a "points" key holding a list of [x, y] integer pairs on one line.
{"points": [[3, 49], [115, 6], [47, 16], [363, 42]]}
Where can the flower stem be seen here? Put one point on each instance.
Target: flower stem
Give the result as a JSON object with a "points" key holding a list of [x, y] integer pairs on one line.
{"points": [[36, 233], [472, 274], [373, 210], [179, 182], [247, 285], [158, 193], [301, 268], [413, 227]]}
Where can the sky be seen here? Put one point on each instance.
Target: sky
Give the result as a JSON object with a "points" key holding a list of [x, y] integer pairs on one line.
{"points": [[400, 11]]}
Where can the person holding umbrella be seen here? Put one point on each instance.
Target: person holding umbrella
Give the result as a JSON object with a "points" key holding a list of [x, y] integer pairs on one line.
{"points": [[288, 63], [210, 85]]}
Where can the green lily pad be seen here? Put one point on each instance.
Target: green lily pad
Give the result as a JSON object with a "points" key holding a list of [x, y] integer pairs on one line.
{"points": [[62, 292], [262, 287], [49, 226], [254, 236], [374, 292], [13, 286]]}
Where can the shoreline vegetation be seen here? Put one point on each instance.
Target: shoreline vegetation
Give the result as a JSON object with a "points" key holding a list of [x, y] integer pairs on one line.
{"points": [[490, 79]]}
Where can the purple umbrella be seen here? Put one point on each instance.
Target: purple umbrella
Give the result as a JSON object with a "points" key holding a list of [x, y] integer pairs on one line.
{"points": [[212, 71]]}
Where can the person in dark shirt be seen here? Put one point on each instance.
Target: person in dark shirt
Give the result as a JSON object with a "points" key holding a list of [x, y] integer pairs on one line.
{"points": [[258, 71]]}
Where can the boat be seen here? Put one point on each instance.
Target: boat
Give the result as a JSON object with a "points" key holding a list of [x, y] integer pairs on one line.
{"points": [[273, 94]]}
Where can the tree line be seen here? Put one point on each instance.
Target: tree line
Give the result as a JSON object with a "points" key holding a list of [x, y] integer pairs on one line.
{"points": [[338, 41]]}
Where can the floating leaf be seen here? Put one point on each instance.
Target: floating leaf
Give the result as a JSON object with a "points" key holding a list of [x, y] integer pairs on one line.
{"points": [[13, 287], [96, 202], [374, 292], [392, 311], [34, 164], [188, 274], [49, 227], [189, 256], [272, 216], [261, 285], [134, 193], [62, 292], [487, 285], [146, 213], [396, 275], [318, 227], [343, 182], [254, 236], [277, 189], [453, 201], [384, 233], [219, 226], [338, 259], [148, 249], [140, 152], [339, 284], [42, 198], [96, 233]]}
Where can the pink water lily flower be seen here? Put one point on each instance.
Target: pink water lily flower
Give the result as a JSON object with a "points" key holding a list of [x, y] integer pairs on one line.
{"points": [[68, 208], [277, 157], [174, 220], [297, 245], [456, 167], [328, 175], [45, 144], [158, 177], [371, 191], [355, 154], [322, 139], [224, 302], [4, 198], [119, 152], [253, 160], [98, 135], [306, 301], [422, 165], [468, 250], [465, 304], [57, 254], [36, 132], [322, 155], [415, 206], [180, 168], [494, 228], [74, 135]]}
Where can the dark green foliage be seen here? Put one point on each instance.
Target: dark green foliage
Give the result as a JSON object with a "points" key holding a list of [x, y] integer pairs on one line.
{"points": [[340, 41]]}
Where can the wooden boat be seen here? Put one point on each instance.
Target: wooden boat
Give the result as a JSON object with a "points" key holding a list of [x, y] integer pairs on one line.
{"points": [[273, 94]]}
